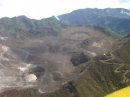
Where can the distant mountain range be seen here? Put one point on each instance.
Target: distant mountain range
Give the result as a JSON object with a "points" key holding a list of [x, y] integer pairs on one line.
{"points": [[116, 20], [26, 26]]}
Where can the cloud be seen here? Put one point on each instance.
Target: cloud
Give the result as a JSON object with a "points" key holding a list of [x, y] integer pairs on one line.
{"points": [[124, 1], [1, 3], [45, 8]]}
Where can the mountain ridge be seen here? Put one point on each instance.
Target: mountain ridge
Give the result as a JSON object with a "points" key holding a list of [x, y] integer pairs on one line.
{"points": [[117, 20]]}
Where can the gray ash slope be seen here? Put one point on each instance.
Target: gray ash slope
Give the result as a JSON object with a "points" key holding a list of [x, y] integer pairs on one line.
{"points": [[49, 58]]}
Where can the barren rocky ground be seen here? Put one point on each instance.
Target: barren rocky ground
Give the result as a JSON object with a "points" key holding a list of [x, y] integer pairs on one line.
{"points": [[60, 61]]}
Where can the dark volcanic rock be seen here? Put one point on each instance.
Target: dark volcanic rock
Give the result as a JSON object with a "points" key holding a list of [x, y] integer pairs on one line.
{"points": [[38, 71], [79, 58]]}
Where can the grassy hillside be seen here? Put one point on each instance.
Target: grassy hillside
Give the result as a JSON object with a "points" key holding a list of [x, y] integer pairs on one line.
{"points": [[124, 52]]}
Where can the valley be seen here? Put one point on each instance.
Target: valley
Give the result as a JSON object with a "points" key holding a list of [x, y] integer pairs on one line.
{"points": [[50, 58]]}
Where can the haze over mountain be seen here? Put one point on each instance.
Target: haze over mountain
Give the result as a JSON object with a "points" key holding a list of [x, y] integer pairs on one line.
{"points": [[65, 57], [116, 20]]}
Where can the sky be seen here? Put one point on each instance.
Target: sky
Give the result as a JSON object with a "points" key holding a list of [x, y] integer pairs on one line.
{"points": [[38, 9]]}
